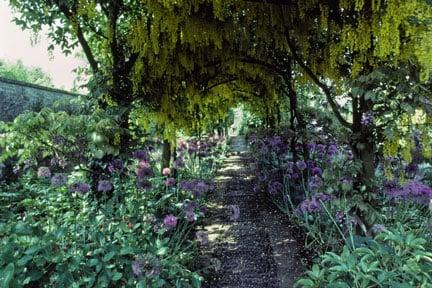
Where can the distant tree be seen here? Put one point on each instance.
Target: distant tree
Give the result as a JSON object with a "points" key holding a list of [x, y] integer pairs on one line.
{"points": [[18, 71]]}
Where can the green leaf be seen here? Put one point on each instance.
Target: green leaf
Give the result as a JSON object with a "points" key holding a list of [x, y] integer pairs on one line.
{"points": [[8, 273], [117, 276], [126, 251], [109, 256], [304, 283]]}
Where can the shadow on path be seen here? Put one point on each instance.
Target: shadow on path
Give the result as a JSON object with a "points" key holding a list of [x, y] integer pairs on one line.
{"points": [[257, 250]]}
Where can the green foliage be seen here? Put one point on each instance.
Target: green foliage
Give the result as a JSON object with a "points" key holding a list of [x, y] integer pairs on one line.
{"points": [[395, 258], [17, 71], [60, 135], [52, 236]]}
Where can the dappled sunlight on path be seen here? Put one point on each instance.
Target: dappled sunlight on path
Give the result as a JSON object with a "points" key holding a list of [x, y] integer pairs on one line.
{"points": [[257, 249]]}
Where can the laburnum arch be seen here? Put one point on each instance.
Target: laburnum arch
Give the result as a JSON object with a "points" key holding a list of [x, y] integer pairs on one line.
{"points": [[183, 60]]}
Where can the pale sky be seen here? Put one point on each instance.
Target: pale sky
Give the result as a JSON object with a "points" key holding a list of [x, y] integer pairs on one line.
{"points": [[16, 44]]}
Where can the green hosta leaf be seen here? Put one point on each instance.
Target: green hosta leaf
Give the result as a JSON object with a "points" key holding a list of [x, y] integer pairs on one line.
{"points": [[109, 256], [8, 273], [126, 251], [117, 276], [304, 283]]}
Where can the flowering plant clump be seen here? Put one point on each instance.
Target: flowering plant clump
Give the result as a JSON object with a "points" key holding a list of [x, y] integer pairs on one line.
{"points": [[130, 237]]}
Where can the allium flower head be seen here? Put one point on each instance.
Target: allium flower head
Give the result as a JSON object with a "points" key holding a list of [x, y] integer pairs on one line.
{"points": [[315, 182], [316, 171], [314, 203], [115, 166], [170, 221], [59, 179], [275, 187], [178, 163], [202, 237], [332, 149], [311, 146], [105, 186], [141, 155], [80, 187], [301, 165], [320, 148], [190, 216], [44, 172], [166, 171], [149, 264], [378, 228]]}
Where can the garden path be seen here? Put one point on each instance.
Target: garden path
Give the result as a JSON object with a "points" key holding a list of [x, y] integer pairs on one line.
{"points": [[259, 249]]}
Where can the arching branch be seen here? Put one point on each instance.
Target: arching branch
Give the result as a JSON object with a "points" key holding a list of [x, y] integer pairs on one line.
{"points": [[327, 91]]}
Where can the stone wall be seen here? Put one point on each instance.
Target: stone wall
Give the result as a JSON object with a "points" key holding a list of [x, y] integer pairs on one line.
{"points": [[17, 97]]}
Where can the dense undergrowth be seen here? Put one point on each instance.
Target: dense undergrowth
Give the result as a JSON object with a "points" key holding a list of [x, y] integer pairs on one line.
{"points": [[136, 226], [374, 235]]}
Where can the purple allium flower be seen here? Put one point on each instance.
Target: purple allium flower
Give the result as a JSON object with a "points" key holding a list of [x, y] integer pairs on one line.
{"points": [[141, 155], [190, 216], [315, 182], [148, 264], [411, 168], [80, 187], [189, 206], [137, 267], [367, 119], [166, 171], [301, 165], [234, 212], [170, 221], [178, 163], [378, 228], [115, 166], [143, 170], [197, 187], [316, 171], [274, 188], [44, 172], [332, 149], [105, 186], [59, 179], [144, 184], [320, 148], [295, 176], [311, 164], [311, 147], [202, 237], [170, 182], [413, 190], [313, 204]]}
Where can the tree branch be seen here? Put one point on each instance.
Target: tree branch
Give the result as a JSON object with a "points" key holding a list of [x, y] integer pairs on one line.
{"points": [[334, 106], [80, 35]]}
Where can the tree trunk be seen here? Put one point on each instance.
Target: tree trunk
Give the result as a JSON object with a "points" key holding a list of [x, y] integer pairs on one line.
{"points": [[166, 154]]}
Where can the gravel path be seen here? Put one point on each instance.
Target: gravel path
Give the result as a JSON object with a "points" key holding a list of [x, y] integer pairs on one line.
{"points": [[258, 250]]}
